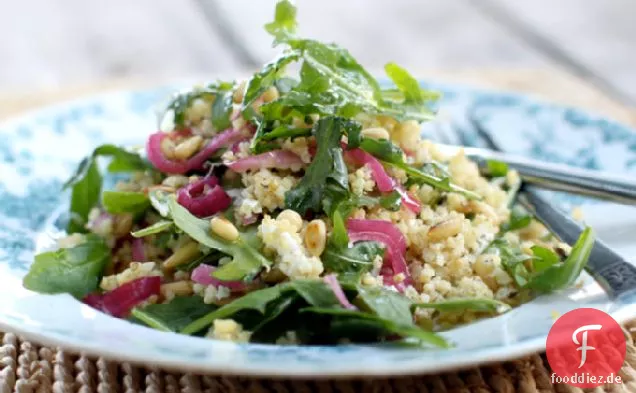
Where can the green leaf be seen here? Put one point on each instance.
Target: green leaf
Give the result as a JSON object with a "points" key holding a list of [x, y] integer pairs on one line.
{"points": [[77, 270], [543, 258], [284, 25], [512, 259], [391, 201], [222, 110], [497, 168], [382, 149], [211, 258], [519, 218], [183, 100], [256, 300], [158, 227], [408, 85], [159, 200], [357, 259], [175, 315], [85, 195], [563, 275], [327, 172], [408, 330], [266, 77], [86, 182], [386, 304], [315, 292], [246, 260], [125, 202], [483, 305]]}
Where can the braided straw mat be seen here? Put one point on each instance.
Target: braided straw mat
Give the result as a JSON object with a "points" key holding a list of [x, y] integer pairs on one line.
{"points": [[26, 367]]}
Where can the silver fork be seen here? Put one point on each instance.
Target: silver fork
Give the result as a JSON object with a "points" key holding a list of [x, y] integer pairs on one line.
{"points": [[609, 269]]}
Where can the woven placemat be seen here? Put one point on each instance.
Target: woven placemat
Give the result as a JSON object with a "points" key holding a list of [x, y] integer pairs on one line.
{"points": [[26, 367]]}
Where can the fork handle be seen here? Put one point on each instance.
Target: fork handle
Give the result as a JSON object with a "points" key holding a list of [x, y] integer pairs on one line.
{"points": [[615, 188], [614, 274]]}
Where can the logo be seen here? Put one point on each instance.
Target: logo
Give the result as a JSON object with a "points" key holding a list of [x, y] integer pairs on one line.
{"points": [[586, 348]]}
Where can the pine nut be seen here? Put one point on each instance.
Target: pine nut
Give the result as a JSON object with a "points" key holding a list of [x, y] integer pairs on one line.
{"points": [[177, 288], [292, 218], [485, 265], [239, 93], [167, 148], [182, 255], [175, 181], [187, 148], [224, 228], [270, 94], [316, 237], [445, 229], [375, 133], [122, 224]]}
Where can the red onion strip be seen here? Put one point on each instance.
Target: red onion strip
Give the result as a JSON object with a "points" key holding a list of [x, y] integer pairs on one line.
{"points": [[120, 301], [204, 197], [335, 287], [202, 274]]}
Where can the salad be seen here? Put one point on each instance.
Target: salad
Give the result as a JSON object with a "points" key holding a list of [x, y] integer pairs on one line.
{"points": [[301, 207]]}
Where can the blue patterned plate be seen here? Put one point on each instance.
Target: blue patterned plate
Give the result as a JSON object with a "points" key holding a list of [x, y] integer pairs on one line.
{"points": [[39, 150]]}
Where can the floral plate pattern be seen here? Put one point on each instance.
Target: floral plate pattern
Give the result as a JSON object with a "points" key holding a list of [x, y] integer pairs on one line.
{"points": [[39, 150]]}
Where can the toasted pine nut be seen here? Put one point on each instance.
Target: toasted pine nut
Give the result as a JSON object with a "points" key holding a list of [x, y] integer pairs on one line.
{"points": [[122, 224], [224, 228], [182, 255], [167, 148], [175, 181], [270, 94], [445, 229], [239, 92], [485, 265], [316, 237], [187, 148], [292, 218], [375, 133], [177, 288]]}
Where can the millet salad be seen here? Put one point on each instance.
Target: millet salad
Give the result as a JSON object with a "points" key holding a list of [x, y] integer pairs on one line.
{"points": [[302, 209]]}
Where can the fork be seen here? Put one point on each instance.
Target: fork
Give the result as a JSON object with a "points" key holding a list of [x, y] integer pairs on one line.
{"points": [[558, 177], [615, 275]]}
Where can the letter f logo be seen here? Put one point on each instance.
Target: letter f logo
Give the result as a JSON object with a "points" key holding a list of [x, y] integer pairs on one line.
{"points": [[584, 347]]}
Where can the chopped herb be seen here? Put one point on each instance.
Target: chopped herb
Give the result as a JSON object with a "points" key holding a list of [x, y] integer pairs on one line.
{"points": [[519, 219], [497, 168]]}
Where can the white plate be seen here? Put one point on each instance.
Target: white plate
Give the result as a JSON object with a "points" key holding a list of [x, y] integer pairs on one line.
{"points": [[38, 151]]}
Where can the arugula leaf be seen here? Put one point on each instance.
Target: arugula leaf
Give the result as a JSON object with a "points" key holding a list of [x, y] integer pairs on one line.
{"points": [[159, 200], [274, 322], [543, 258], [266, 77], [563, 275], [408, 330], [246, 259], [356, 259], [76, 270], [211, 258], [125, 202], [391, 201], [175, 315], [408, 85], [315, 292], [519, 218], [85, 194], [284, 24], [222, 110], [256, 300], [327, 172], [86, 182], [484, 305], [158, 227], [512, 259], [497, 168], [386, 304], [183, 100]]}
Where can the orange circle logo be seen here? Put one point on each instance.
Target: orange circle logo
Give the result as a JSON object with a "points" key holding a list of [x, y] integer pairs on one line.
{"points": [[586, 348]]}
